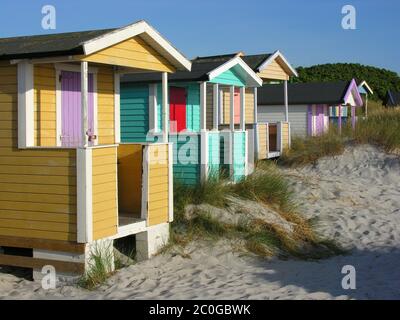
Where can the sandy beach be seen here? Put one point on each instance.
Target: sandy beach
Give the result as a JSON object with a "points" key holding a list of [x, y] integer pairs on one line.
{"points": [[353, 198]]}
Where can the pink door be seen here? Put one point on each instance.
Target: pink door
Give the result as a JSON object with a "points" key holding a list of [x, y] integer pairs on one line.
{"points": [[237, 105], [71, 116], [320, 123]]}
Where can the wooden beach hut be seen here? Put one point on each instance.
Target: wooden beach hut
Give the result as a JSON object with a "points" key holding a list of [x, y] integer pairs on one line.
{"points": [[67, 183], [312, 106], [208, 111]]}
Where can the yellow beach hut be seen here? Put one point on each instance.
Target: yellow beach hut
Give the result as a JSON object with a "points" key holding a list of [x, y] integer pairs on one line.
{"points": [[67, 184]]}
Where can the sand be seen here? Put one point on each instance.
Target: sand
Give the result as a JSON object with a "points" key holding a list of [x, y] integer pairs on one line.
{"points": [[354, 199]]}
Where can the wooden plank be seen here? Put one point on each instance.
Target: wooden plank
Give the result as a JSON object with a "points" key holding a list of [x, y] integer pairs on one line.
{"points": [[51, 245], [39, 234], [35, 263]]}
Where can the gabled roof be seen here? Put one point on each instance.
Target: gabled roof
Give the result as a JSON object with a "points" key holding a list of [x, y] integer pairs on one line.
{"points": [[392, 98], [330, 93], [203, 69], [261, 61], [364, 85], [87, 42]]}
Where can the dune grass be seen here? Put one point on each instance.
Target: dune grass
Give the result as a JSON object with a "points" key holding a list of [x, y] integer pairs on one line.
{"points": [[266, 185]]}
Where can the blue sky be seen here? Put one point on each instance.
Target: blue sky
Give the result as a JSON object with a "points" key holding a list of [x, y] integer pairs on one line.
{"points": [[308, 31]]}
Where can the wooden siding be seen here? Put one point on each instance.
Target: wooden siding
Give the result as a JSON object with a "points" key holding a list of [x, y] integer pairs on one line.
{"points": [[134, 112], [105, 215], [285, 135], [130, 160], [158, 184], [273, 71], [186, 152], [37, 187], [249, 105], [132, 53], [229, 77], [213, 153], [45, 105], [105, 105], [239, 152], [262, 141], [226, 101]]}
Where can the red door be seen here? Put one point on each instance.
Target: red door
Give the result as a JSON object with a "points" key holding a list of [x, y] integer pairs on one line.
{"points": [[177, 109], [237, 105]]}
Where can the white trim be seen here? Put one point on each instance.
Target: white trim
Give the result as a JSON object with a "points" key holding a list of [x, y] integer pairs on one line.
{"points": [[129, 229], [204, 154], [165, 104], [95, 111], [153, 116], [117, 108], [203, 105], [25, 105], [232, 108], [255, 105], [216, 114], [221, 118], [147, 32], [145, 184], [84, 102], [46, 60], [170, 183], [84, 195], [255, 80], [286, 99], [275, 55], [58, 108], [365, 84], [73, 68], [242, 108]]}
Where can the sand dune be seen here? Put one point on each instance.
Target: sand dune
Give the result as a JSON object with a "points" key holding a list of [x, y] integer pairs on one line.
{"points": [[355, 200]]}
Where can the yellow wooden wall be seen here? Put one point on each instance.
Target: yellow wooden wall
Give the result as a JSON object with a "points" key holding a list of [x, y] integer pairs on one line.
{"points": [[45, 105], [134, 53], [104, 180], [274, 71], [262, 141], [37, 187], [130, 161], [226, 101], [249, 105], [158, 185], [285, 135], [105, 102]]}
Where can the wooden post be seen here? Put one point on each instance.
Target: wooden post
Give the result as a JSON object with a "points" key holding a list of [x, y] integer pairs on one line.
{"points": [[285, 86], [255, 106], [84, 102], [216, 106], [203, 99], [165, 106], [242, 109], [232, 109]]}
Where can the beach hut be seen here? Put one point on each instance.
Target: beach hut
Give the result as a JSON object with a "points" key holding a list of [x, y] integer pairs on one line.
{"points": [[392, 99], [68, 186], [312, 106], [365, 91], [208, 111], [271, 135]]}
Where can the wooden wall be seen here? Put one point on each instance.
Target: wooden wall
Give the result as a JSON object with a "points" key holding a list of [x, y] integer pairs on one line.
{"points": [[274, 71], [158, 184], [44, 79], [134, 53], [37, 187], [130, 161], [209, 106], [104, 180], [285, 135], [262, 141], [105, 101], [249, 105]]}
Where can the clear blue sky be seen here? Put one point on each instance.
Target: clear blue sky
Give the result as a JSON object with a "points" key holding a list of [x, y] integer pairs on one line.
{"points": [[308, 31]]}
